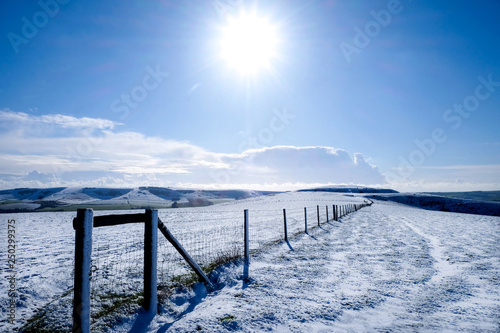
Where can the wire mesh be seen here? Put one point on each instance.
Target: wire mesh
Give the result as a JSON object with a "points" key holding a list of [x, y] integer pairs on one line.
{"points": [[211, 237], [117, 266]]}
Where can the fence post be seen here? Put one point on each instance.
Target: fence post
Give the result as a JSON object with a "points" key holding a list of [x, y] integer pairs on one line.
{"points": [[317, 213], [284, 219], [247, 247], [83, 225], [326, 213], [305, 217], [150, 261], [333, 213]]}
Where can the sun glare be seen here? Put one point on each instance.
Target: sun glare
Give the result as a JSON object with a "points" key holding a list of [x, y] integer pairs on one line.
{"points": [[248, 43]]}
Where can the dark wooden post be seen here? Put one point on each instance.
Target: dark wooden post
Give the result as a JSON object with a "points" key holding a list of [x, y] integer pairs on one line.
{"points": [[305, 217], [326, 213], [246, 240], [150, 261], [284, 220], [334, 212], [317, 213], [83, 250]]}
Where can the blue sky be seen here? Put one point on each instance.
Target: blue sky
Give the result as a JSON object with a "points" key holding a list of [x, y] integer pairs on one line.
{"points": [[402, 94]]}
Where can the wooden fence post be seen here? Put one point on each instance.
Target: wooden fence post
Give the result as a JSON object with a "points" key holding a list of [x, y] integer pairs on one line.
{"points": [[326, 213], [83, 225], [284, 220], [247, 240], [317, 213], [305, 217], [150, 261], [334, 212]]}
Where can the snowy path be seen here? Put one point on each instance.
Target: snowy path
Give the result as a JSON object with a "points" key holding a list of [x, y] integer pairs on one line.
{"points": [[387, 268]]}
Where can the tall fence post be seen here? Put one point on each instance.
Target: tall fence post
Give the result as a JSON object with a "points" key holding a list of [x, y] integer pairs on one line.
{"points": [[334, 213], [305, 217], [150, 261], [247, 247], [83, 225], [317, 213], [326, 213], [284, 220]]}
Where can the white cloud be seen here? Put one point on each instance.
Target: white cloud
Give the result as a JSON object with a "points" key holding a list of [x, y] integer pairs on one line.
{"points": [[305, 164], [64, 121], [106, 157]]}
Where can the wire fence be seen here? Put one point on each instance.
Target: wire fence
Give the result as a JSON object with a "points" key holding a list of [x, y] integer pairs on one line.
{"points": [[210, 236]]}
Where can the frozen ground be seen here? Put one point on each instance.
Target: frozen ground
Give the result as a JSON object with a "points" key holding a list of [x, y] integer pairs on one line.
{"points": [[45, 249], [386, 268]]}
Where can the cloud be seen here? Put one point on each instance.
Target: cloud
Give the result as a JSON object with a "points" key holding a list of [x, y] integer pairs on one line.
{"points": [[104, 156], [64, 121], [305, 164]]}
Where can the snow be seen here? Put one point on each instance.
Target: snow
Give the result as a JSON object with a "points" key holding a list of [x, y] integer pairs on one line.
{"points": [[441, 203], [384, 268], [387, 267]]}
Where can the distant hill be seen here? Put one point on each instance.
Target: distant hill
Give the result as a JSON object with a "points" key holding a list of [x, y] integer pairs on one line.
{"points": [[441, 203], [472, 195], [70, 199], [349, 189]]}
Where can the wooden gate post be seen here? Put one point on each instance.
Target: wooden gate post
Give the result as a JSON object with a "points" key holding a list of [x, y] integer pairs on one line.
{"points": [[83, 250], [150, 261]]}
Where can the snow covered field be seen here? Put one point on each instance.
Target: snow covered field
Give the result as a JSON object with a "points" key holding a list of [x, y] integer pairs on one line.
{"points": [[387, 267]]}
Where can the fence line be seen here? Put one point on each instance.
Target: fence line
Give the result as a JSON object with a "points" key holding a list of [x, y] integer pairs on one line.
{"points": [[216, 241]]}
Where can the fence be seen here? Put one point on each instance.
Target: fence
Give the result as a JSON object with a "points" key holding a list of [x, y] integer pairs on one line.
{"points": [[160, 262]]}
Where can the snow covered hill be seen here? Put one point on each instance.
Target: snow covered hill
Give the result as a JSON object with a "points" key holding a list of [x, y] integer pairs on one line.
{"points": [[349, 189], [441, 203], [71, 198]]}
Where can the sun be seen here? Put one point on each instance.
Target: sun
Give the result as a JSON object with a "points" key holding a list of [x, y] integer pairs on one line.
{"points": [[248, 43]]}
